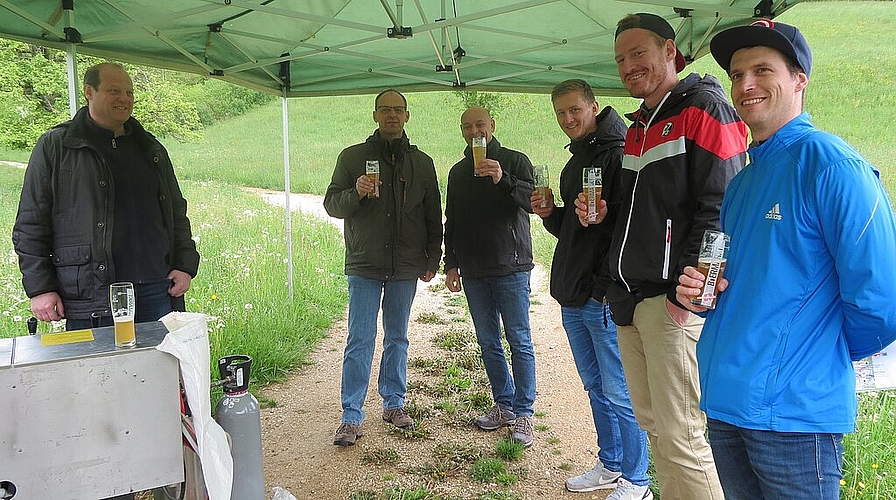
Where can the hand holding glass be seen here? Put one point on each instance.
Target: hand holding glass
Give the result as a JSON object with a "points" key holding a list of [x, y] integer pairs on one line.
{"points": [[121, 300], [711, 263], [372, 171]]}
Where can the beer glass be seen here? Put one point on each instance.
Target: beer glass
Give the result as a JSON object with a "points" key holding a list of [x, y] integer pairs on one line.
{"points": [[121, 300], [592, 182], [711, 262], [542, 183], [479, 148], [373, 173]]}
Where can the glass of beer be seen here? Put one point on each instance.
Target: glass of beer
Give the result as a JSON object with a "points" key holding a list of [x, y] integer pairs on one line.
{"points": [[592, 182], [542, 183], [711, 262], [479, 148], [373, 173], [121, 300]]}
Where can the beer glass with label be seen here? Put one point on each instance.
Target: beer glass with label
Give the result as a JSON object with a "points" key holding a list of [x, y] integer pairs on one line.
{"points": [[542, 183], [711, 263], [592, 182], [373, 173], [121, 300], [479, 148]]}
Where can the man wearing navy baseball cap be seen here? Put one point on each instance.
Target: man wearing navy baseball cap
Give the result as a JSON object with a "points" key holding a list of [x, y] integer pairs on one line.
{"points": [[811, 223], [685, 145]]}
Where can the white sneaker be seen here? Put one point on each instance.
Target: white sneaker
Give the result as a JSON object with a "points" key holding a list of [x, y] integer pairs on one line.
{"points": [[629, 491], [597, 478]]}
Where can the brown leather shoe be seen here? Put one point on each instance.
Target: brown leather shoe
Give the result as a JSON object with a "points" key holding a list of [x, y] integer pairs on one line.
{"points": [[398, 417], [347, 434]]}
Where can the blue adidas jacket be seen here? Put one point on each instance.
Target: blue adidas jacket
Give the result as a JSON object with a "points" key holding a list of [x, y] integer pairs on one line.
{"points": [[812, 271]]}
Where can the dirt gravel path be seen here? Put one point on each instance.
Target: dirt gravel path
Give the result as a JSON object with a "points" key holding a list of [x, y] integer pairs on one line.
{"points": [[299, 454]]}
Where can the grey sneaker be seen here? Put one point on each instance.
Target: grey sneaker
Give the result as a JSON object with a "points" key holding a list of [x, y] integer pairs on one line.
{"points": [[598, 478], [398, 417], [629, 491], [523, 432], [495, 419], [347, 434]]}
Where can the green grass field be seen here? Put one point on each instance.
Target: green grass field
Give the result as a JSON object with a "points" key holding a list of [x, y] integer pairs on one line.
{"points": [[242, 280]]}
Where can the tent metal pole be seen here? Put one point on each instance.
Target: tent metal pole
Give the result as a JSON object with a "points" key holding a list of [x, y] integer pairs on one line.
{"points": [[71, 63], [285, 113]]}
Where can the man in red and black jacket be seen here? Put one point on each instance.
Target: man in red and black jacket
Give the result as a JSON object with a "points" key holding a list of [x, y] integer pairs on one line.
{"points": [[685, 145]]}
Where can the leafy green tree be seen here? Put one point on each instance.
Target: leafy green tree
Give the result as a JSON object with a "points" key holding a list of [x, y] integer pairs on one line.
{"points": [[34, 96]]}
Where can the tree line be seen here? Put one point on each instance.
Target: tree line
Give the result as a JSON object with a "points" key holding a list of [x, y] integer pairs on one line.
{"points": [[34, 96]]}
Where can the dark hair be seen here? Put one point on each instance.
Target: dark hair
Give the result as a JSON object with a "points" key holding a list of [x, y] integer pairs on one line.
{"points": [[376, 101], [573, 85], [92, 75]]}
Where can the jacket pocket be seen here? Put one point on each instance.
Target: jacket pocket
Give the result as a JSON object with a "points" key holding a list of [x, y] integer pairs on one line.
{"points": [[622, 303], [73, 272]]}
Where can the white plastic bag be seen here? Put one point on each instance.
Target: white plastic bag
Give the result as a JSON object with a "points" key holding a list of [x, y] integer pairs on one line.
{"points": [[282, 494], [187, 340]]}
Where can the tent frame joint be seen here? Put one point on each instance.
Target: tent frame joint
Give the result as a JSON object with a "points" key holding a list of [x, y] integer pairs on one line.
{"points": [[763, 9], [72, 35], [400, 32]]}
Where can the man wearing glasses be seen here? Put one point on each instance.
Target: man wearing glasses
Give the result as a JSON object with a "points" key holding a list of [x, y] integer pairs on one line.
{"points": [[386, 191]]}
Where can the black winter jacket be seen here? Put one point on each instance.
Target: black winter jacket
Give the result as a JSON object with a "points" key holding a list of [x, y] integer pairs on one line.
{"points": [[579, 268], [63, 229], [679, 159], [486, 224], [397, 236]]}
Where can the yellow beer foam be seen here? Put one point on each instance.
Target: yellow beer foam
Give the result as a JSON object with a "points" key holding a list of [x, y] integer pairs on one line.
{"points": [[70, 337]]}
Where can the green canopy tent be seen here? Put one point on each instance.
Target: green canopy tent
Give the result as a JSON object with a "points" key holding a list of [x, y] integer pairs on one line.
{"points": [[294, 48]]}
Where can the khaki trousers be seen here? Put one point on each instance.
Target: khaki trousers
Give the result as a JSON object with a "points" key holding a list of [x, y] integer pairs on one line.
{"points": [[660, 362]]}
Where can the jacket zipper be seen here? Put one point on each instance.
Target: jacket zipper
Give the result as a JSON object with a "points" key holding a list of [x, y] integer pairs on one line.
{"points": [[631, 209], [668, 249]]}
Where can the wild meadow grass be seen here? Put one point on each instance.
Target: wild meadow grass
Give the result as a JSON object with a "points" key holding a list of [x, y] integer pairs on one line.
{"points": [[242, 281]]}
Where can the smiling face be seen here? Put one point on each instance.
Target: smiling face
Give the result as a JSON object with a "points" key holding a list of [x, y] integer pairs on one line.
{"points": [[476, 122], [765, 91], [646, 65], [111, 103], [575, 115], [391, 114]]}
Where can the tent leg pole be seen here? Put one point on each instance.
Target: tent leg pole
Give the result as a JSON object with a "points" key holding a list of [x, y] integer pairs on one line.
{"points": [[71, 66], [289, 273]]}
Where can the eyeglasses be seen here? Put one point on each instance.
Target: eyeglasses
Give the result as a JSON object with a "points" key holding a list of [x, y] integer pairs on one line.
{"points": [[395, 109]]}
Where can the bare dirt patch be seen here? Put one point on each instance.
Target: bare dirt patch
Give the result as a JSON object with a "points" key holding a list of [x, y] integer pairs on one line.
{"points": [[297, 434], [299, 454]]}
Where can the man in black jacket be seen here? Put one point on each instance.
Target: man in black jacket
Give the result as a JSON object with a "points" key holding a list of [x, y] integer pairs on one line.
{"points": [[393, 235], [488, 244], [579, 279], [100, 203]]}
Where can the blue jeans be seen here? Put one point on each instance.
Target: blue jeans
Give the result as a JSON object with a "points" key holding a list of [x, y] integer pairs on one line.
{"points": [[364, 296], [505, 299], [769, 465], [595, 348], [151, 302]]}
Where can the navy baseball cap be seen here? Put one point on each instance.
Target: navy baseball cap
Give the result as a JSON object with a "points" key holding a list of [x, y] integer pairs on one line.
{"points": [[658, 25], [784, 38]]}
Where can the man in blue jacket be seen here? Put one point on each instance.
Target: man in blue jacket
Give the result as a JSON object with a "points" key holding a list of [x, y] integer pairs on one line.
{"points": [[489, 248], [810, 282]]}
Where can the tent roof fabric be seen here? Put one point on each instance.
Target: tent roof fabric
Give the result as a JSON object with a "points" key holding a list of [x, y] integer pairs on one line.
{"points": [[329, 47]]}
